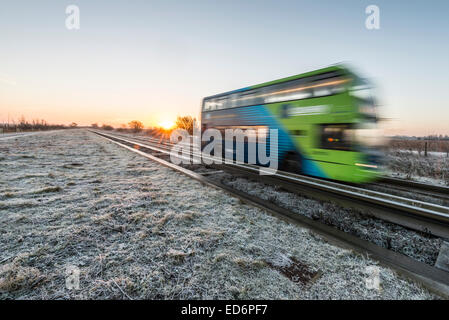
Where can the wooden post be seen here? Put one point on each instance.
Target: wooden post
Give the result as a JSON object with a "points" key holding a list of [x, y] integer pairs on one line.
{"points": [[425, 149]]}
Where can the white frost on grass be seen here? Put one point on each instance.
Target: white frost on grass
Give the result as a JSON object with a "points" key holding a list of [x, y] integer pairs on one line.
{"points": [[137, 229], [433, 169]]}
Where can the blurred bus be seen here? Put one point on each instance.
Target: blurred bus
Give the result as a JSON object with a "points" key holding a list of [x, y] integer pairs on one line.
{"points": [[326, 120]]}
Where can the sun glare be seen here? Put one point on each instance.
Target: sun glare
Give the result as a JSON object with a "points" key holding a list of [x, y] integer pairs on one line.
{"points": [[167, 124]]}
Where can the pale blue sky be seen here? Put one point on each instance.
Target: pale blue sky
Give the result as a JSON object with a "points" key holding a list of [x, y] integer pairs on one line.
{"points": [[152, 60]]}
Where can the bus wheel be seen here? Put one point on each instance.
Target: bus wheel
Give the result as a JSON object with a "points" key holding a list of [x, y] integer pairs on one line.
{"points": [[292, 163]]}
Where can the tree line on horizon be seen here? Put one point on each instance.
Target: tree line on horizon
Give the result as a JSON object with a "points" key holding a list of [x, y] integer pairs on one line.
{"points": [[431, 137], [182, 122], [35, 125]]}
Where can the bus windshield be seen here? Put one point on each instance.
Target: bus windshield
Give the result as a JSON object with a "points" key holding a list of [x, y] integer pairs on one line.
{"points": [[362, 90]]}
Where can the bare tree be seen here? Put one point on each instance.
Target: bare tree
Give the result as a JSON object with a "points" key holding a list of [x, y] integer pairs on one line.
{"points": [[107, 127], [135, 125], [419, 148], [186, 123]]}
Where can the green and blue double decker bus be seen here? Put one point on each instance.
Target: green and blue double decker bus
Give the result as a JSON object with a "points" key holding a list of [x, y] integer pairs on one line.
{"points": [[326, 120]]}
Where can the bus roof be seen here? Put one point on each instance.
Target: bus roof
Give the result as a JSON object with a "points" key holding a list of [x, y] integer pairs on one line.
{"points": [[298, 76]]}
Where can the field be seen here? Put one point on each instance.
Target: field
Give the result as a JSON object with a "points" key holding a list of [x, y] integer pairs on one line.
{"points": [[407, 159], [435, 146], [137, 230]]}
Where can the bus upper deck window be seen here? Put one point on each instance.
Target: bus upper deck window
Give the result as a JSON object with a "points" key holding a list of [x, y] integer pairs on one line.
{"points": [[247, 99], [295, 90], [322, 91], [218, 105], [299, 93], [225, 103], [329, 87], [338, 88]]}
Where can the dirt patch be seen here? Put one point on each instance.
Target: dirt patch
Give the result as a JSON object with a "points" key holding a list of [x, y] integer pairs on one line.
{"points": [[295, 270]]}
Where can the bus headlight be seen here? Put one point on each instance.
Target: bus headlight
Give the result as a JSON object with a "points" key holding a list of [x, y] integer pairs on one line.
{"points": [[371, 166]]}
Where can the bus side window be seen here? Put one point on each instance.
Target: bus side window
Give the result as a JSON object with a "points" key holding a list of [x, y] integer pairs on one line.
{"points": [[321, 91], [292, 90], [218, 104], [338, 88], [299, 133], [334, 136], [258, 97], [225, 103], [213, 105], [246, 99], [233, 100], [206, 105], [329, 87]]}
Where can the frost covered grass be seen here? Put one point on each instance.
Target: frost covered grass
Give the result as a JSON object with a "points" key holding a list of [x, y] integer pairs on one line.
{"points": [[414, 166], [138, 230]]}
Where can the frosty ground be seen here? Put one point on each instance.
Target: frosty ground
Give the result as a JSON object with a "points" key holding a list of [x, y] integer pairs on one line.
{"points": [[139, 230], [411, 165]]}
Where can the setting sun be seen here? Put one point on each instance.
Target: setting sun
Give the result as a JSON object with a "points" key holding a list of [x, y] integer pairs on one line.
{"points": [[167, 124]]}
